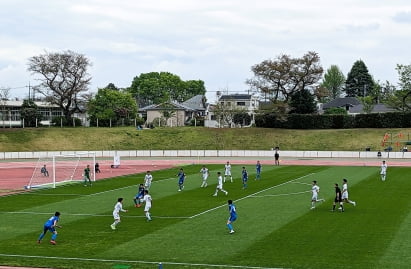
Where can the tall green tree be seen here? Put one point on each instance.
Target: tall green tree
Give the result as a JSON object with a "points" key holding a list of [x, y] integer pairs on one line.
{"points": [[29, 112], [359, 82], [280, 78], [159, 87], [302, 102], [63, 79], [333, 81], [399, 98], [112, 105]]}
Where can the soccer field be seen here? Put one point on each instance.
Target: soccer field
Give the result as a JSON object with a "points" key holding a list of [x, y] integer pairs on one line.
{"points": [[275, 226]]}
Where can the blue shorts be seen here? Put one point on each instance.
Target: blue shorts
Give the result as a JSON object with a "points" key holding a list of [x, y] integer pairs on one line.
{"points": [[49, 228], [232, 218]]}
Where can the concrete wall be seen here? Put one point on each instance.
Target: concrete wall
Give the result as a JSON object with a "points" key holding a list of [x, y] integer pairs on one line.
{"points": [[211, 153]]}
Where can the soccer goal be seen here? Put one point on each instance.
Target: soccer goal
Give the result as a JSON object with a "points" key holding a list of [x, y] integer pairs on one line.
{"points": [[60, 169]]}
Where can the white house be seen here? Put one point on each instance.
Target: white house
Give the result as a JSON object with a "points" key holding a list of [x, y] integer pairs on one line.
{"points": [[235, 102], [10, 113]]}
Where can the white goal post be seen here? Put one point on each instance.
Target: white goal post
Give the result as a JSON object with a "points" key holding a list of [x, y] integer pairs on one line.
{"points": [[60, 169]]}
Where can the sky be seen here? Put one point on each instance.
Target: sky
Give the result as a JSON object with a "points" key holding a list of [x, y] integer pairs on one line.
{"points": [[217, 41]]}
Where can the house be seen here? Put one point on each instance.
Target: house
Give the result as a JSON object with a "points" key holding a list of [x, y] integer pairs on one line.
{"points": [[173, 113], [10, 113], [231, 102], [344, 102], [353, 106]]}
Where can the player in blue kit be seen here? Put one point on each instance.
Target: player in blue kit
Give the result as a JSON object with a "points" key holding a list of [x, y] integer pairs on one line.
{"points": [[233, 216], [181, 177], [139, 196], [258, 171], [51, 225], [244, 177]]}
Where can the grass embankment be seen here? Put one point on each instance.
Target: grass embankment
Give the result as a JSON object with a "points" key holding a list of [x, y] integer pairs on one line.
{"points": [[128, 138]]}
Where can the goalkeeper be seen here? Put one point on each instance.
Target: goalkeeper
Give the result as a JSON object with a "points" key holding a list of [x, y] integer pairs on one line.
{"points": [[86, 175]]}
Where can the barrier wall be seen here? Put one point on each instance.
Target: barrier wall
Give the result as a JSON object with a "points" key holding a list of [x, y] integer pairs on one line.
{"points": [[211, 154]]}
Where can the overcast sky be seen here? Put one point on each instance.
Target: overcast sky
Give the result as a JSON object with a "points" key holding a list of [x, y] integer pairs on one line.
{"points": [[216, 41]]}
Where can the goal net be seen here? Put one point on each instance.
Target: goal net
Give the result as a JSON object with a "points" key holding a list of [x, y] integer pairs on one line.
{"points": [[60, 169]]}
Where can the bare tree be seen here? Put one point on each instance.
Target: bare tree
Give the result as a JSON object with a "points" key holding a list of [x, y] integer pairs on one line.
{"points": [[280, 78], [4, 97], [63, 79]]}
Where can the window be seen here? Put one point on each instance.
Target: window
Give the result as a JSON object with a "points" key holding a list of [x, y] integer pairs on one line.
{"points": [[240, 103]]}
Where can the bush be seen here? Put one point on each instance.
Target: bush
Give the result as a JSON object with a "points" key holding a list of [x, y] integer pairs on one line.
{"points": [[60, 120]]}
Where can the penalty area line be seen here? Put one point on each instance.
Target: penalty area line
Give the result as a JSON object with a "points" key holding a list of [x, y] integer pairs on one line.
{"points": [[135, 261], [280, 194], [251, 195]]}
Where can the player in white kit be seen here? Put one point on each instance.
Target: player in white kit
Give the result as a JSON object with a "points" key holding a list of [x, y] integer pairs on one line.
{"points": [[383, 172], [227, 171], [204, 173]]}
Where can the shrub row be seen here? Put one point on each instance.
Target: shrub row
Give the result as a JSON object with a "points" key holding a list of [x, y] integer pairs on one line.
{"points": [[315, 121]]}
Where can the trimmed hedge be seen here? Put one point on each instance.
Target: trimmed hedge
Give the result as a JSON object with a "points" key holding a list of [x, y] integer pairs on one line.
{"points": [[316, 121]]}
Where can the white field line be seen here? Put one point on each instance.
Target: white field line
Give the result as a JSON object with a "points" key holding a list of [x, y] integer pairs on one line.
{"points": [[92, 215], [301, 183], [251, 195], [141, 262], [97, 193], [281, 194]]}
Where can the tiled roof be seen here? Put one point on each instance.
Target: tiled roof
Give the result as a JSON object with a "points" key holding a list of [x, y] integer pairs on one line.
{"points": [[342, 102]]}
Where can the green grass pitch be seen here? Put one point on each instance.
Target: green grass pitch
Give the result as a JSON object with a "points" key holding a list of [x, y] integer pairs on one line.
{"points": [[275, 226]]}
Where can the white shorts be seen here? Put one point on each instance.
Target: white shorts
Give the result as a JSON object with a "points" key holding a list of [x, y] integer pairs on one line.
{"points": [[220, 187], [227, 173], [344, 195], [147, 208], [315, 197], [205, 177], [116, 216]]}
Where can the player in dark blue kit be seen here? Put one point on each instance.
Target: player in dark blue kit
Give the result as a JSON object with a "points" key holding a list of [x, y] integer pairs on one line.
{"points": [[233, 216], [244, 177], [258, 171], [51, 225], [139, 195], [181, 177]]}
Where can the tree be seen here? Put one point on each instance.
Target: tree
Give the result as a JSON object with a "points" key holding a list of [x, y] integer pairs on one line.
{"points": [[242, 118], [367, 104], [280, 78], [333, 81], [399, 98], [359, 82], [156, 88], [30, 114], [302, 102], [225, 112], [63, 78], [4, 97], [112, 105]]}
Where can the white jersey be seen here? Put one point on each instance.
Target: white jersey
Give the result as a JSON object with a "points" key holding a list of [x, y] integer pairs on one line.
{"points": [[117, 208], [220, 182], [147, 199], [383, 169], [147, 180], [228, 169], [315, 190], [204, 172], [344, 194]]}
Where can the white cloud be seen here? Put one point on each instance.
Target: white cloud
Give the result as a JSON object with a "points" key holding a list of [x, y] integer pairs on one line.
{"points": [[216, 40]]}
